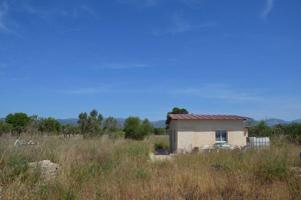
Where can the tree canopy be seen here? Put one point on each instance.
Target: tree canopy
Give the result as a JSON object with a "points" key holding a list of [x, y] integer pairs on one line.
{"points": [[292, 131], [90, 124], [175, 110], [135, 129], [159, 131], [111, 124], [18, 121], [93, 124], [49, 125], [146, 128]]}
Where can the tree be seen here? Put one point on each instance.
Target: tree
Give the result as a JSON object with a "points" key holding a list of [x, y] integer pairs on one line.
{"points": [[159, 131], [293, 132], [90, 124], [135, 129], [175, 110], [279, 129], [49, 125], [33, 126], [131, 128], [146, 128], [69, 130], [94, 122], [18, 122], [111, 124], [83, 122], [261, 129]]}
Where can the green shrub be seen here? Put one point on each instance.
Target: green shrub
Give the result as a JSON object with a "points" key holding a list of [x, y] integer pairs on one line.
{"points": [[136, 129], [16, 165], [159, 131], [276, 169], [117, 134], [272, 167], [49, 125], [161, 146], [55, 190]]}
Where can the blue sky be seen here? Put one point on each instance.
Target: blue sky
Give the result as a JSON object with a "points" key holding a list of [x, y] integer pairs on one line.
{"points": [[142, 57]]}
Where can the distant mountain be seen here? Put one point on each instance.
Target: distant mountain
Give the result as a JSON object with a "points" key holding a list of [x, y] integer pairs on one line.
{"points": [[158, 124], [273, 122], [297, 121], [251, 122]]}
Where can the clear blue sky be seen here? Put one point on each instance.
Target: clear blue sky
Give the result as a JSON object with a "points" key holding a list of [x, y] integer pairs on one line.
{"points": [[142, 57]]}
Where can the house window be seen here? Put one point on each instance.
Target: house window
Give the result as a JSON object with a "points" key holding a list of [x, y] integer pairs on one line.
{"points": [[221, 136]]}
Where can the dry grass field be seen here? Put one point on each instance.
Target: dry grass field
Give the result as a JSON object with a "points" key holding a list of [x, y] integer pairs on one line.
{"points": [[101, 168]]}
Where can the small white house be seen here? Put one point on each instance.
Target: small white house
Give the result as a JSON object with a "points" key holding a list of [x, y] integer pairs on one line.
{"points": [[189, 131]]}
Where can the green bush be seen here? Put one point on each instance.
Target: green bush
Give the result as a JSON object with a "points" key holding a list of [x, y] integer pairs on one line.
{"points": [[18, 122], [292, 132], [49, 125], [55, 190], [117, 134], [161, 145], [136, 129], [159, 131], [272, 167], [16, 165]]}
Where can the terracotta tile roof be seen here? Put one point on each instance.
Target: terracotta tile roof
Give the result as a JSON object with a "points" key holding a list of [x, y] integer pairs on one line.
{"points": [[205, 117]]}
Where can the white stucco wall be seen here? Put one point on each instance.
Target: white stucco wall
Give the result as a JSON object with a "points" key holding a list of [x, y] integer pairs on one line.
{"points": [[237, 138], [201, 133], [187, 140]]}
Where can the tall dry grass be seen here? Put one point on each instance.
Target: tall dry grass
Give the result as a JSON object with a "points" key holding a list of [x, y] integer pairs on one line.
{"points": [[120, 169]]}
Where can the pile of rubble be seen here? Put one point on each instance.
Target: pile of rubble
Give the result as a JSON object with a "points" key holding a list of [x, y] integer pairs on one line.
{"points": [[155, 158], [20, 142], [48, 169]]}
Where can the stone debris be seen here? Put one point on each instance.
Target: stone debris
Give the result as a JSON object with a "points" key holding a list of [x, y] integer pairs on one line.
{"points": [[20, 142], [155, 158], [49, 170]]}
